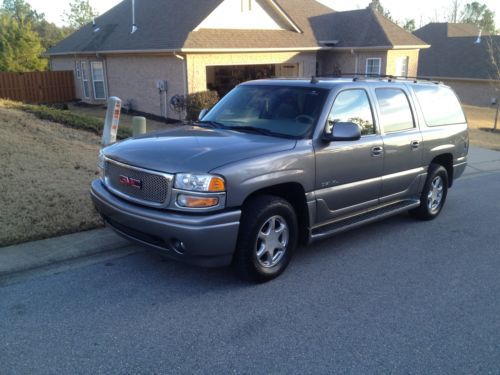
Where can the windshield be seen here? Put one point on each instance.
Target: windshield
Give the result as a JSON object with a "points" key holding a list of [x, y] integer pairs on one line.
{"points": [[272, 110]]}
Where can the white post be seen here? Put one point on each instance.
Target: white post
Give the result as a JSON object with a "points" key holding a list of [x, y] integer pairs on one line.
{"points": [[112, 121]]}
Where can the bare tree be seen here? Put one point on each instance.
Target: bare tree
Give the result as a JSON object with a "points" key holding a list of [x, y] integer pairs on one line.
{"points": [[454, 11], [493, 48]]}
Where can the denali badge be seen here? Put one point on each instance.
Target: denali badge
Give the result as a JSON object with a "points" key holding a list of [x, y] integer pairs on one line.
{"points": [[131, 182]]}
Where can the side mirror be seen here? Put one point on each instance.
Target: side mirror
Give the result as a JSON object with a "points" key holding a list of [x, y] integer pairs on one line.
{"points": [[344, 131], [202, 114]]}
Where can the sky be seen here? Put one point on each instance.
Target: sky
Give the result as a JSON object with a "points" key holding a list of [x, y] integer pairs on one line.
{"points": [[423, 11]]}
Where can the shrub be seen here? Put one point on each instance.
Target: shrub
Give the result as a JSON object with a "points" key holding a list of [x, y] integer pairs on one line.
{"points": [[67, 118], [198, 101]]}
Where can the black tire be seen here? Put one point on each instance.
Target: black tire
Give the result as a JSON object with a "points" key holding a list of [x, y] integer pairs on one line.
{"points": [[427, 211], [257, 215]]}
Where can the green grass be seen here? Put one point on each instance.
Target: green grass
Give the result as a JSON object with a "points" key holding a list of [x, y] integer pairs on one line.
{"points": [[65, 117]]}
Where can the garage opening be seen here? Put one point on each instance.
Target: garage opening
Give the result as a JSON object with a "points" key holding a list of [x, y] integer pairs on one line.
{"points": [[224, 78]]}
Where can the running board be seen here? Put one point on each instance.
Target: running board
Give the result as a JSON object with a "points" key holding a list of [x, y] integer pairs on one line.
{"points": [[362, 219]]}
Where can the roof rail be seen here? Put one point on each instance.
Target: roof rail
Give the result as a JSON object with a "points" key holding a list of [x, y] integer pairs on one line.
{"points": [[364, 76]]}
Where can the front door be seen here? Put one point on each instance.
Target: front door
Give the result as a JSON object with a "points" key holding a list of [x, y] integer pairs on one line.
{"points": [[349, 174], [402, 143]]}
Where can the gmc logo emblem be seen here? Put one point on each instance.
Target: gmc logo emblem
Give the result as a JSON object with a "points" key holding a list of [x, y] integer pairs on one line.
{"points": [[130, 182]]}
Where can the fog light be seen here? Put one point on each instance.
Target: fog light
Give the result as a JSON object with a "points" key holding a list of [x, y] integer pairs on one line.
{"points": [[191, 201], [178, 246]]}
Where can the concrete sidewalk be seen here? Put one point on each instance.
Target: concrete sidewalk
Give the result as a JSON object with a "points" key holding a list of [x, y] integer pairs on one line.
{"points": [[31, 255]]}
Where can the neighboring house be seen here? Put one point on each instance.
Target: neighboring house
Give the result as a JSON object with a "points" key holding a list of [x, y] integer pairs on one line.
{"points": [[215, 44], [461, 56]]}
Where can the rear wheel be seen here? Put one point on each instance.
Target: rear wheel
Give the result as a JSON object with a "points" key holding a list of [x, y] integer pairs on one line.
{"points": [[267, 238], [433, 195]]}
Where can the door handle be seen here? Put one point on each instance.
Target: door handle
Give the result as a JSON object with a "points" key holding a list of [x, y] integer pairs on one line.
{"points": [[377, 150], [415, 145]]}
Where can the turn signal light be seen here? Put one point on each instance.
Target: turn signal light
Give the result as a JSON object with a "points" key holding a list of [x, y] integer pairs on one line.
{"points": [[217, 184], [191, 201]]}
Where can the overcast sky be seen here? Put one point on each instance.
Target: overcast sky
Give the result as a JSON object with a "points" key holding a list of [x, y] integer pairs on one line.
{"points": [[423, 11]]}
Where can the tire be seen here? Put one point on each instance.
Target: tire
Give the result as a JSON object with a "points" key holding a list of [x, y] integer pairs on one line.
{"points": [[267, 238], [433, 195]]}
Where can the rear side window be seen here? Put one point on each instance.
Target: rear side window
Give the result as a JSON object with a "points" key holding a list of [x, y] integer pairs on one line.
{"points": [[439, 105], [395, 110]]}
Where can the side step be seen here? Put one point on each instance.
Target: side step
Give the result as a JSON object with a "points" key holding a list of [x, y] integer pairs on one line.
{"points": [[362, 219]]}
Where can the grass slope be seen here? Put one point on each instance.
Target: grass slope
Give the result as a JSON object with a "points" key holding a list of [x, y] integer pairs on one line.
{"points": [[46, 172]]}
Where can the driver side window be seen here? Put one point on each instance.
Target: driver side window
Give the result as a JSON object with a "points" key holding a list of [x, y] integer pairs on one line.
{"points": [[352, 106]]}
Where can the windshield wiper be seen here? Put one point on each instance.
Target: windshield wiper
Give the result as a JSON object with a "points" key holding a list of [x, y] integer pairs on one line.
{"points": [[213, 124], [253, 129]]}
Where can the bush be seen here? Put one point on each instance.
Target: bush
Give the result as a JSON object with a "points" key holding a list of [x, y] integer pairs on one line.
{"points": [[198, 101], [67, 118]]}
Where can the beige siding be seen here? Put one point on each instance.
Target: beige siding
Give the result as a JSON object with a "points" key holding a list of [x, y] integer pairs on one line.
{"points": [[67, 63], [475, 92], [197, 64], [349, 63], [393, 55], [134, 77]]}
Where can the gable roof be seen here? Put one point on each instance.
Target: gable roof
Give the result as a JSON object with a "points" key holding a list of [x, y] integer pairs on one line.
{"points": [[168, 25], [455, 53], [364, 28]]}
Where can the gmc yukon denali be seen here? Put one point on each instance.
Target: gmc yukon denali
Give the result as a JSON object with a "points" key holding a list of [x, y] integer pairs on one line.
{"points": [[280, 162]]}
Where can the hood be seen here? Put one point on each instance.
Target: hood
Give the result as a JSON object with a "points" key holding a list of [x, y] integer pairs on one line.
{"points": [[194, 149]]}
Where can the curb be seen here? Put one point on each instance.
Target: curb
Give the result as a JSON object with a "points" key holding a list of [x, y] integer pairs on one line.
{"points": [[36, 254]]}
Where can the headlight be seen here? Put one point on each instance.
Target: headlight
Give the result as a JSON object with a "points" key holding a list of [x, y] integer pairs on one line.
{"points": [[200, 182], [100, 160], [100, 164]]}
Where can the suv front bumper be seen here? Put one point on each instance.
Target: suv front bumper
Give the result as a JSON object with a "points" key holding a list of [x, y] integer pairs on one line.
{"points": [[206, 240]]}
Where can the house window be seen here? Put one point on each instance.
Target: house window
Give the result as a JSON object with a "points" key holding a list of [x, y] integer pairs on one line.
{"points": [[85, 80], [373, 66], [78, 69], [402, 67], [98, 80]]}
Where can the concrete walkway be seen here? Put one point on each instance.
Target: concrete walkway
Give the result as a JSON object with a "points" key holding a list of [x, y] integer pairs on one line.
{"points": [[28, 256]]}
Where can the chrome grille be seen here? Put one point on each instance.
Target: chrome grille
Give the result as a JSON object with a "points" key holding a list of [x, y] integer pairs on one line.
{"points": [[154, 187]]}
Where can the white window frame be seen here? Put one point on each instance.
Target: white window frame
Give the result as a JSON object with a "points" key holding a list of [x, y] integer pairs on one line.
{"points": [[403, 61], [85, 79], [94, 80], [78, 69], [379, 59]]}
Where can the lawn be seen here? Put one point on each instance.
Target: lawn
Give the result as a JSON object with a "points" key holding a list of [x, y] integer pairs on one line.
{"points": [[481, 119], [46, 172]]}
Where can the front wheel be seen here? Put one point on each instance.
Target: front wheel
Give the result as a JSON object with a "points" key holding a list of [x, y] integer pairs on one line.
{"points": [[434, 194], [267, 238]]}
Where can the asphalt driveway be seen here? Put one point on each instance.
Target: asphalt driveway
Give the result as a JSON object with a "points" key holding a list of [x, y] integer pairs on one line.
{"points": [[399, 296]]}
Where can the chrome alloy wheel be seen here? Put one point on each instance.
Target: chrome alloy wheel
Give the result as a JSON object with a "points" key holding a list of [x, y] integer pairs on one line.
{"points": [[272, 241], [435, 196]]}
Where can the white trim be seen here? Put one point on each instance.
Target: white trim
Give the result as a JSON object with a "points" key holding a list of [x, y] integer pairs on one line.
{"points": [[379, 65], [285, 16], [85, 78], [103, 79], [482, 80]]}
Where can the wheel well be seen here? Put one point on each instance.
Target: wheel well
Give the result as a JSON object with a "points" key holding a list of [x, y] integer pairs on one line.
{"points": [[294, 194], [446, 160]]}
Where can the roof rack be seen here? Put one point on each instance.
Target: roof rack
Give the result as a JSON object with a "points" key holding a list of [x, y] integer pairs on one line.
{"points": [[358, 77]]}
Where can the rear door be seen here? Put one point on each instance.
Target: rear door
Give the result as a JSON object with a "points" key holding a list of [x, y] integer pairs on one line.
{"points": [[403, 146]]}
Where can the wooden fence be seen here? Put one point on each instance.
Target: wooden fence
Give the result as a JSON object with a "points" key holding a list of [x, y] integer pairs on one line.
{"points": [[38, 87]]}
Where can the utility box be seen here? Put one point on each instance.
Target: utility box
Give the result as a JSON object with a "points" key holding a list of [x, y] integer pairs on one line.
{"points": [[162, 85]]}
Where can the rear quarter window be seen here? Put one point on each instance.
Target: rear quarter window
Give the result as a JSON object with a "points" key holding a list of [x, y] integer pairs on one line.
{"points": [[439, 105]]}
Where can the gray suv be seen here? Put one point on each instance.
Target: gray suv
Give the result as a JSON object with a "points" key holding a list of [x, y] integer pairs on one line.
{"points": [[281, 162]]}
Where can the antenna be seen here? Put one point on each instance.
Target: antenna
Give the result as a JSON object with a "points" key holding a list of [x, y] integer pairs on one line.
{"points": [[478, 40], [134, 26]]}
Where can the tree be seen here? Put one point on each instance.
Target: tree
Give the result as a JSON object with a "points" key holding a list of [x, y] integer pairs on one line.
{"points": [[409, 25], [21, 11], [376, 5], [20, 46], [478, 14], [80, 13], [455, 7]]}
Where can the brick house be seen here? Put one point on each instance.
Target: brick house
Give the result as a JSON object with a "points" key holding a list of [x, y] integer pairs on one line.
{"points": [[215, 44]]}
